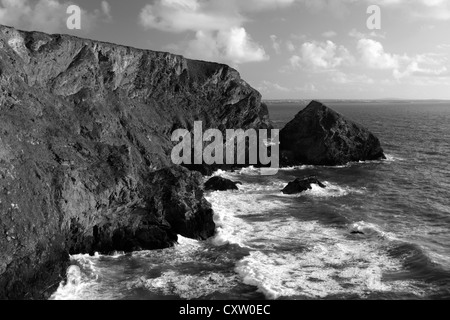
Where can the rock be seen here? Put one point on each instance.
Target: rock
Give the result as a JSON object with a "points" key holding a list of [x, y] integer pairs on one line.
{"points": [[85, 145], [302, 185], [321, 136], [177, 195], [220, 184], [171, 204]]}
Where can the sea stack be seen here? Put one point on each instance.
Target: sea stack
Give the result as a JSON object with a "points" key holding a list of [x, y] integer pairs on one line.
{"points": [[320, 136]]}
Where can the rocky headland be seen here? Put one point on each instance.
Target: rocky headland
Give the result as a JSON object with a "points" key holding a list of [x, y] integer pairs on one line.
{"points": [[85, 144], [85, 150]]}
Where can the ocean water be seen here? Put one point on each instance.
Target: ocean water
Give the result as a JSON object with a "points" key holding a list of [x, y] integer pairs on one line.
{"points": [[380, 230]]}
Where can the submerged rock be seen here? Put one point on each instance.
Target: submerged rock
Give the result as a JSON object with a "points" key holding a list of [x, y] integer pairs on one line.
{"points": [[320, 136], [85, 137], [302, 185], [220, 184]]}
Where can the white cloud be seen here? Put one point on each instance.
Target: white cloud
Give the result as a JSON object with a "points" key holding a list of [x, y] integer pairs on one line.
{"points": [[46, 15], [271, 87], [290, 46], [373, 55], [444, 46], [321, 55], [370, 57], [218, 25], [106, 10], [189, 15], [234, 46], [424, 65], [239, 47], [276, 44], [268, 86]]}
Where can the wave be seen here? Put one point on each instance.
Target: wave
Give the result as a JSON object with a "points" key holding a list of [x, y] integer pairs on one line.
{"points": [[331, 191], [190, 270], [371, 230], [291, 258], [298, 168], [326, 268], [389, 158], [81, 277]]}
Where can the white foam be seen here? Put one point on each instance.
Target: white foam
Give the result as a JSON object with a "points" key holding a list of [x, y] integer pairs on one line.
{"points": [[81, 278], [174, 271], [297, 168], [371, 230], [231, 209], [331, 191], [186, 242], [392, 158], [272, 186], [294, 258], [324, 269], [185, 286]]}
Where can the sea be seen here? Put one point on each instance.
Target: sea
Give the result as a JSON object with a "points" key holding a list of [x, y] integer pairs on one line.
{"points": [[380, 230]]}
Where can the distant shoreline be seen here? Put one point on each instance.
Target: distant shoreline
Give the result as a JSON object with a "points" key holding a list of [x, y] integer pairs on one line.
{"points": [[356, 100]]}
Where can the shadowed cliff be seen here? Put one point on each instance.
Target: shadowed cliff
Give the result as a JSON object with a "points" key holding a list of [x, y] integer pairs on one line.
{"points": [[85, 147]]}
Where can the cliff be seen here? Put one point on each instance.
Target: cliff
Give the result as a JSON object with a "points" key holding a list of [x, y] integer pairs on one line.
{"points": [[85, 147]]}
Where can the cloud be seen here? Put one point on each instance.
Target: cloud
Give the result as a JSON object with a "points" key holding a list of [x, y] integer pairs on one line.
{"points": [[218, 26], [106, 10], [444, 46], [273, 87], [276, 44], [46, 15], [268, 86], [373, 55], [234, 45], [370, 57], [344, 78], [189, 15], [424, 65], [290, 46], [329, 34], [359, 35], [418, 9], [321, 56]]}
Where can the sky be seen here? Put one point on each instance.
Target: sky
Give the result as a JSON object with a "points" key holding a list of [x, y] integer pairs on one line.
{"points": [[286, 49]]}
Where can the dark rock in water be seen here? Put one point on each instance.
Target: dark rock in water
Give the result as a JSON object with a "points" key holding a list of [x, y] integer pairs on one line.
{"points": [[321, 136], [220, 184], [302, 185], [85, 137]]}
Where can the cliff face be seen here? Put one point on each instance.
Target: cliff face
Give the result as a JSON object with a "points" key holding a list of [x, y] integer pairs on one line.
{"points": [[85, 149]]}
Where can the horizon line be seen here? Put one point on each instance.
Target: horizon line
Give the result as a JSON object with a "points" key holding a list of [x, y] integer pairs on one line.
{"points": [[353, 99]]}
